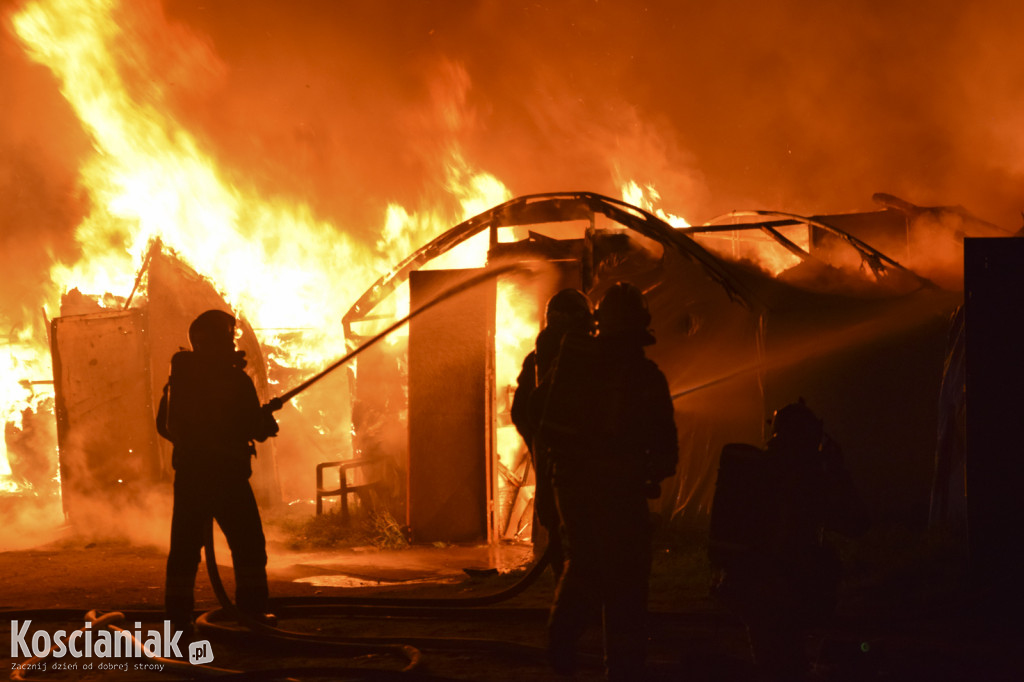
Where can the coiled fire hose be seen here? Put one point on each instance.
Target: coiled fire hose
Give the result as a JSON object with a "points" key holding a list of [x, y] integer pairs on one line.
{"points": [[211, 621]]}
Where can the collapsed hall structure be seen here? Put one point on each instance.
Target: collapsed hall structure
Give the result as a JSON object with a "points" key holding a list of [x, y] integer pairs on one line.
{"points": [[748, 317], [750, 311]]}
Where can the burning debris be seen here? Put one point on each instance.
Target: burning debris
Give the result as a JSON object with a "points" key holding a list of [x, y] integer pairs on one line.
{"points": [[748, 314], [747, 318], [29, 444], [110, 367]]}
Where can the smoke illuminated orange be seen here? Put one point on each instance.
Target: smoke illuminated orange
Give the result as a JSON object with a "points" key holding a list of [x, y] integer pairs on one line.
{"points": [[274, 260]]}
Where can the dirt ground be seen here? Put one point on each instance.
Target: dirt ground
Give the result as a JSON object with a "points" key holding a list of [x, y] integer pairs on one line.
{"points": [[881, 634]]}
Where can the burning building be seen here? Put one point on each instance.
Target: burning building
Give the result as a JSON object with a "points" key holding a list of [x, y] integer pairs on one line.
{"points": [[270, 184], [749, 316]]}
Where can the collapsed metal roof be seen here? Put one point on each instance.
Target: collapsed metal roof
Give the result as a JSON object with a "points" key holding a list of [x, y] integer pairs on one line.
{"points": [[736, 341], [570, 206]]}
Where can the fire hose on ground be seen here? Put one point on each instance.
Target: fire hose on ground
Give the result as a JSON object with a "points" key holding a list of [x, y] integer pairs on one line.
{"points": [[216, 621], [227, 622]]}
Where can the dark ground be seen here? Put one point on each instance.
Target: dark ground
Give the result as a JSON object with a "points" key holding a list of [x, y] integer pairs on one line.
{"points": [[904, 615]]}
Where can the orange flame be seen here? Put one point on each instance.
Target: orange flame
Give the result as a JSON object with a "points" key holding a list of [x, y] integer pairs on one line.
{"points": [[647, 197], [513, 339], [751, 245], [22, 359], [149, 177]]}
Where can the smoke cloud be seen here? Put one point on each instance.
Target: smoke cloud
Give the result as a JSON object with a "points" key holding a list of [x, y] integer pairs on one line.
{"points": [[795, 106]]}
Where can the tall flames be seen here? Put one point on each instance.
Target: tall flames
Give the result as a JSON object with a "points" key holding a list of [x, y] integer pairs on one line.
{"points": [[271, 257]]}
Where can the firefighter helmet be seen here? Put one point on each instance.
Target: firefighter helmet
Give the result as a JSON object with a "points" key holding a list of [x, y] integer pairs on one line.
{"points": [[623, 313], [569, 308], [795, 424], [211, 330]]}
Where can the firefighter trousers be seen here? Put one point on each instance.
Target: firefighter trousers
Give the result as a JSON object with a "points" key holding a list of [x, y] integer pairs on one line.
{"points": [[198, 501], [607, 543]]}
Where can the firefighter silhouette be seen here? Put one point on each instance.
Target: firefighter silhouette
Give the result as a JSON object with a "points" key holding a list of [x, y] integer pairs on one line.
{"points": [[770, 562], [607, 426], [568, 311], [211, 413]]}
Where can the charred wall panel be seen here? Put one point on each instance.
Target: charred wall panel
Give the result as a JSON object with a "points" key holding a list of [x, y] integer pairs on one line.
{"points": [[104, 410], [994, 327], [449, 351]]}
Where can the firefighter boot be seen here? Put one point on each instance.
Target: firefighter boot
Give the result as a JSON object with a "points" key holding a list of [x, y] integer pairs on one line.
{"points": [[178, 602]]}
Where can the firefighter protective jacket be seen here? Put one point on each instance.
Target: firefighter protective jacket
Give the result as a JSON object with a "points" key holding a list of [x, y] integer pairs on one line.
{"points": [[211, 412]]}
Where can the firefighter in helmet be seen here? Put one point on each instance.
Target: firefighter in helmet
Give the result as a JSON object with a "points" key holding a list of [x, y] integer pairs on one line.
{"points": [[568, 312], [770, 560], [608, 424], [211, 413]]}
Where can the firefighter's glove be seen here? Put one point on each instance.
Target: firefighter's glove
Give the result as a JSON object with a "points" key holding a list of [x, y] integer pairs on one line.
{"points": [[268, 425], [652, 490], [274, 405]]}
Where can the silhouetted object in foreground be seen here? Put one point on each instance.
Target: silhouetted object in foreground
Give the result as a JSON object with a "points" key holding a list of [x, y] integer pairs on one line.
{"points": [[568, 311], [609, 431], [770, 562], [211, 413]]}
